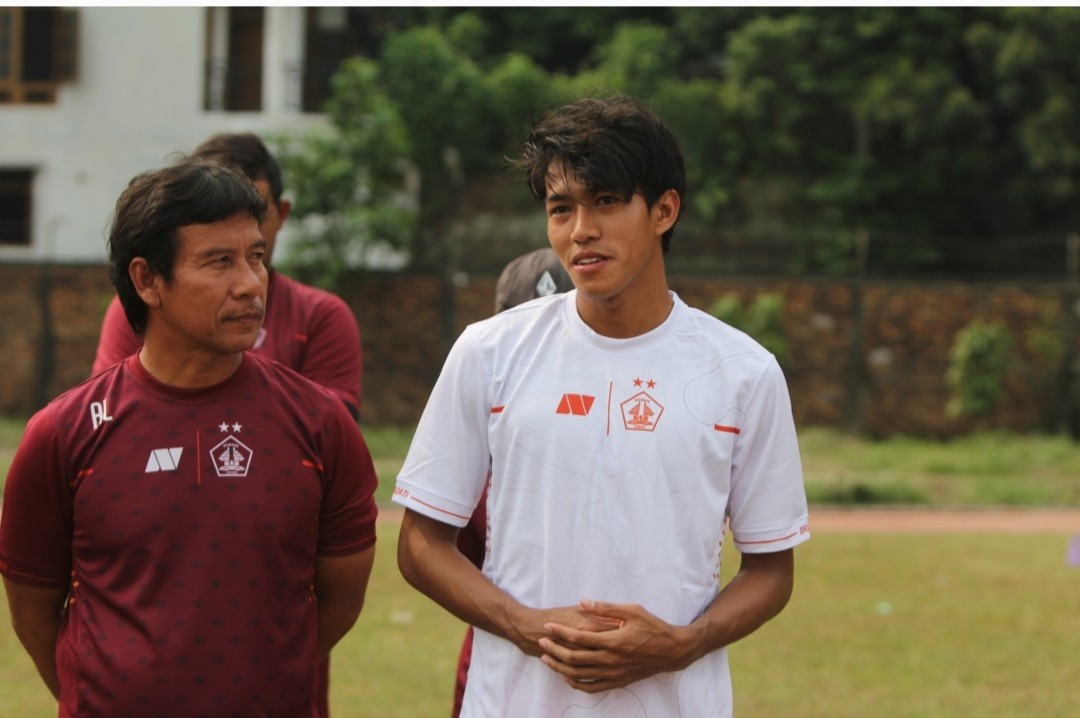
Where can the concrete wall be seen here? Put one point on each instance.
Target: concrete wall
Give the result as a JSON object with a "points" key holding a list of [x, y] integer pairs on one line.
{"points": [[881, 374]]}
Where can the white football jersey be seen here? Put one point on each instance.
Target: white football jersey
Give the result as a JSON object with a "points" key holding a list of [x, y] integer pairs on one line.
{"points": [[614, 464]]}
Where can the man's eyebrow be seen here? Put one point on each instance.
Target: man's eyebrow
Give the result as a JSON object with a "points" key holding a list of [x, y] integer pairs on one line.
{"points": [[556, 197], [230, 249]]}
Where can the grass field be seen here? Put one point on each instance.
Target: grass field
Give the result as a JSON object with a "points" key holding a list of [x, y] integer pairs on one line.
{"points": [[881, 625]]}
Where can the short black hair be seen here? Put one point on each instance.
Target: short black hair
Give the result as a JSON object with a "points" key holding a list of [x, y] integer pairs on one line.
{"points": [[614, 144], [248, 152], [158, 203]]}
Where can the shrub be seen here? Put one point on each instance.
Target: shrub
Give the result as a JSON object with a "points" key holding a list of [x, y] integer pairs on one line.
{"points": [[763, 320], [977, 365]]}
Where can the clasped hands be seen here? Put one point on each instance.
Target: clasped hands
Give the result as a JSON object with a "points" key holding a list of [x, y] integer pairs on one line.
{"points": [[599, 646]]}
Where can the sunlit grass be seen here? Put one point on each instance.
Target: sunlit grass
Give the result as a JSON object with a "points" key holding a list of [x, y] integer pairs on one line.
{"points": [[981, 469], [890, 626]]}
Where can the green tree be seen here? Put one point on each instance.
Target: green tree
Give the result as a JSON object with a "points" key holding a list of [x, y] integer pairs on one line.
{"points": [[348, 179], [947, 126], [929, 121]]}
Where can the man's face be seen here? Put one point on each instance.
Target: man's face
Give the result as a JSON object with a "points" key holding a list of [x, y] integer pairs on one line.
{"points": [[276, 214], [214, 303], [609, 246]]}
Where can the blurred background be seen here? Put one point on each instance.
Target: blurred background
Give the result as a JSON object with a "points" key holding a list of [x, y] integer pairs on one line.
{"points": [[885, 197]]}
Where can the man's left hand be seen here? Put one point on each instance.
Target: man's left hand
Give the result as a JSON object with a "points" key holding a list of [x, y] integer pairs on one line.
{"points": [[642, 646]]}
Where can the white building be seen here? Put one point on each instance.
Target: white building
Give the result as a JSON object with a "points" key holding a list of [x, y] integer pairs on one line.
{"points": [[91, 96]]}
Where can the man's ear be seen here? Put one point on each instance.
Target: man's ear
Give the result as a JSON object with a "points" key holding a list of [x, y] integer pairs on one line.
{"points": [[147, 282], [284, 207], [666, 211]]}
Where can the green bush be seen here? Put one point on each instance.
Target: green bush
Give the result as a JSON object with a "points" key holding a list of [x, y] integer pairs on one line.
{"points": [[763, 320], [977, 366]]}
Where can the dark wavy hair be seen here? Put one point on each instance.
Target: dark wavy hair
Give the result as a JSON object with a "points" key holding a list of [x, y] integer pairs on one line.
{"points": [[614, 144], [158, 203], [247, 152]]}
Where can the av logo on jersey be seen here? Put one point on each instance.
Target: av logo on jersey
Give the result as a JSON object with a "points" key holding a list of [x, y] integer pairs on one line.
{"points": [[231, 457], [575, 404], [164, 460], [641, 412]]}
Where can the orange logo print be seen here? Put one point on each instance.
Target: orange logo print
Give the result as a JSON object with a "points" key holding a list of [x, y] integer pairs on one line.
{"points": [[641, 412], [576, 404]]}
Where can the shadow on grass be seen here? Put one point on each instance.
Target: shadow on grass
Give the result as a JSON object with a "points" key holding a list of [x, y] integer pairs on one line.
{"points": [[865, 494]]}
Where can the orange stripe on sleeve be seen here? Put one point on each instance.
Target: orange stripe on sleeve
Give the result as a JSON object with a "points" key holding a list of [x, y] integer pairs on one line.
{"points": [[762, 543], [728, 429], [437, 508]]}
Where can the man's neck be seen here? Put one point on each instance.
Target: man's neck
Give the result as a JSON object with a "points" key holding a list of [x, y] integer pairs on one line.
{"points": [[188, 370], [621, 318]]}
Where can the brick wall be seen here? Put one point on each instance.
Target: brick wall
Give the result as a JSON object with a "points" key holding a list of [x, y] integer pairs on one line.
{"points": [[881, 374]]}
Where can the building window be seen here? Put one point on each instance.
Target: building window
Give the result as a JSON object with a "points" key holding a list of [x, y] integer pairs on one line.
{"points": [[15, 195], [234, 59], [38, 52], [333, 34]]}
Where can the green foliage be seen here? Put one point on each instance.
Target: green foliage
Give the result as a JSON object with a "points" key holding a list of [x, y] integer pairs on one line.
{"points": [[930, 122], [347, 180], [763, 320], [982, 468], [640, 58], [978, 363]]}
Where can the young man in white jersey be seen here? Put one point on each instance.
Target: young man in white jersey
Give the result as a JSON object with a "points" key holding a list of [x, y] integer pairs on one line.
{"points": [[622, 430]]}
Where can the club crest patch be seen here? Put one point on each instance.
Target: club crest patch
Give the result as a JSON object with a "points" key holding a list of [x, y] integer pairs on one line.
{"points": [[231, 457], [641, 412]]}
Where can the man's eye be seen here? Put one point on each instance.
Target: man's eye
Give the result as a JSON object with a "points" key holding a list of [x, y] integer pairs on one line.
{"points": [[607, 199], [557, 209]]}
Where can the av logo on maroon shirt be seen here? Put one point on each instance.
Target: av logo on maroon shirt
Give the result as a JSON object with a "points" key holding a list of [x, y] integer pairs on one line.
{"points": [[164, 460], [231, 457]]}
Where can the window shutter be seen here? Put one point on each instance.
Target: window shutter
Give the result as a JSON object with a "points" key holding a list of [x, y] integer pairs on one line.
{"points": [[66, 47]]}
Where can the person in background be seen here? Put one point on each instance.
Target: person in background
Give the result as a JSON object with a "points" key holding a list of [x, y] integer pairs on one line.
{"points": [[617, 432], [531, 275], [191, 530], [305, 328]]}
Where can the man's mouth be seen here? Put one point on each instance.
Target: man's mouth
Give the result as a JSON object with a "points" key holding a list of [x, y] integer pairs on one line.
{"points": [[587, 260], [248, 316]]}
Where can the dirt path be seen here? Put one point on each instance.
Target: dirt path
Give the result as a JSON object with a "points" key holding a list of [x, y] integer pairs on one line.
{"points": [[915, 520], [998, 520]]}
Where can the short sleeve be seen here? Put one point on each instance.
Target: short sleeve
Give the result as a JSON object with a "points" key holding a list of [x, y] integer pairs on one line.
{"points": [[768, 509], [347, 518], [36, 522], [333, 355], [446, 468]]}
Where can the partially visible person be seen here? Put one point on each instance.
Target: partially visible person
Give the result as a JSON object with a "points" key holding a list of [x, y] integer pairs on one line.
{"points": [[191, 530], [305, 328], [531, 275], [534, 274], [620, 431]]}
